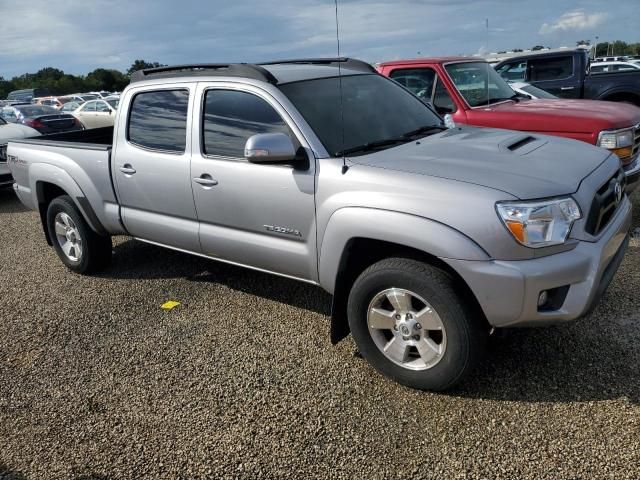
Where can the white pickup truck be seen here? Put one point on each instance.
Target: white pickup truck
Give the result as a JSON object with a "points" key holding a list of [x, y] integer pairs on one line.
{"points": [[326, 172]]}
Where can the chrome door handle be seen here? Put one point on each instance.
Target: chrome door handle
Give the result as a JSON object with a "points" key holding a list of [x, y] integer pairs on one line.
{"points": [[127, 169], [567, 88], [205, 180]]}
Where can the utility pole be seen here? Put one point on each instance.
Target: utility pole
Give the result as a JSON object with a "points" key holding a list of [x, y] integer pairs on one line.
{"points": [[487, 45], [595, 49]]}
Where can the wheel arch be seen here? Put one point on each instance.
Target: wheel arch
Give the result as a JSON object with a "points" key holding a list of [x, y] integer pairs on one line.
{"points": [[343, 256], [53, 182]]}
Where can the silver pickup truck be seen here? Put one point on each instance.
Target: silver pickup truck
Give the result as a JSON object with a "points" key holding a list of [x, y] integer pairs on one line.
{"points": [[326, 172]]}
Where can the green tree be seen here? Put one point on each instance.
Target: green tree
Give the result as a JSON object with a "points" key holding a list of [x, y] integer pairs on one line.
{"points": [[142, 65]]}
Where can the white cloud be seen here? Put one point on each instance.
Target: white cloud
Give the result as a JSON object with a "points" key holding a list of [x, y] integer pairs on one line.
{"points": [[573, 21]]}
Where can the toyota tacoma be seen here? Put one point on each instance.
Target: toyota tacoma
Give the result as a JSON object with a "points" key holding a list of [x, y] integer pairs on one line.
{"points": [[324, 171]]}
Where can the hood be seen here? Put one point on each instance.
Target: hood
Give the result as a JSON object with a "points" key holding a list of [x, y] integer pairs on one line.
{"points": [[564, 115], [526, 166], [12, 131]]}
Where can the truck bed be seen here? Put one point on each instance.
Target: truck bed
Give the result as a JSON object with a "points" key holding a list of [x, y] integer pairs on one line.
{"points": [[93, 139]]}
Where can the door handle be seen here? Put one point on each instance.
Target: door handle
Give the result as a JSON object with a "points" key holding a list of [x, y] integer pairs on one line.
{"points": [[127, 169], [567, 88], [205, 180]]}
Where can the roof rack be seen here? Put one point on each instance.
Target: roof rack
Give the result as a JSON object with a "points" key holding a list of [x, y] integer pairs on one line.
{"points": [[345, 62], [246, 70]]}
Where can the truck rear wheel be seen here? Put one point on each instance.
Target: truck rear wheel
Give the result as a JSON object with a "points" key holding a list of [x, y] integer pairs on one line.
{"points": [[78, 246], [410, 324]]}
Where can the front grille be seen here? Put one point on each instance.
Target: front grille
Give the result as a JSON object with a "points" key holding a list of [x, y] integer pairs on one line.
{"points": [[636, 141], [3, 153], [605, 202]]}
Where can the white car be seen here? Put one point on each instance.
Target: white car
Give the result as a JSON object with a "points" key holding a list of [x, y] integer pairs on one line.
{"points": [[527, 90], [97, 113], [606, 67], [11, 131]]}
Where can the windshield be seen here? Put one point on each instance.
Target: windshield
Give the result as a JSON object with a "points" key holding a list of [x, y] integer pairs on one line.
{"points": [[536, 92], [376, 109], [479, 83]]}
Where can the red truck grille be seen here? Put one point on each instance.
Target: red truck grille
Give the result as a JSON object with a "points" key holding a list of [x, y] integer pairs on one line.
{"points": [[605, 203]]}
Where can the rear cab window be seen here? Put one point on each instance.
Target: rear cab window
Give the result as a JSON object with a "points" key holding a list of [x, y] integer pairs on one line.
{"points": [[158, 120]]}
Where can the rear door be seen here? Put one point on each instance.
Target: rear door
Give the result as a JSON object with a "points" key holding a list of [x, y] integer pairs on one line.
{"points": [[152, 165], [258, 215], [559, 75]]}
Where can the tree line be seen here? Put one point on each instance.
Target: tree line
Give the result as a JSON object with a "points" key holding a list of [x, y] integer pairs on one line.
{"points": [[60, 83]]}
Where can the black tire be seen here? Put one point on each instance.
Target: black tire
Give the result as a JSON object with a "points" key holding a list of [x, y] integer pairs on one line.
{"points": [[466, 332], [96, 249]]}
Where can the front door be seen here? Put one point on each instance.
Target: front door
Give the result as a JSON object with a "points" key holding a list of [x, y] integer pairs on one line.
{"points": [[258, 215], [104, 115], [152, 170]]}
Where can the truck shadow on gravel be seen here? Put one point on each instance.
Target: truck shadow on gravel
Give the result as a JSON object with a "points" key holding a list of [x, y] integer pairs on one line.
{"points": [[9, 203], [581, 362], [7, 474], [597, 358], [139, 260]]}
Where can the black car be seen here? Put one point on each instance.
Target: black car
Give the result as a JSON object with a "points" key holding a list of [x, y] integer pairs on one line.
{"points": [[42, 118], [567, 74]]}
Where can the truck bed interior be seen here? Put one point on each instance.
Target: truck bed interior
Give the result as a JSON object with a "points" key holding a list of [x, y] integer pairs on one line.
{"points": [[95, 139]]}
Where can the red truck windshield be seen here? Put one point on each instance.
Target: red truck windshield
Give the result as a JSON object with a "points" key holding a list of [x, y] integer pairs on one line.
{"points": [[376, 110], [479, 83]]}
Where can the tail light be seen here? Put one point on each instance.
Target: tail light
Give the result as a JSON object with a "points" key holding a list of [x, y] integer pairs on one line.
{"points": [[33, 123]]}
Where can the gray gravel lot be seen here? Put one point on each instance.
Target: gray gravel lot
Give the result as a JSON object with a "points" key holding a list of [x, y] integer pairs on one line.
{"points": [[240, 381]]}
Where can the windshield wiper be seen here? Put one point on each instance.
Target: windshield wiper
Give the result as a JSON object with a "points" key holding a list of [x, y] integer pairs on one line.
{"points": [[366, 147], [424, 129], [491, 101]]}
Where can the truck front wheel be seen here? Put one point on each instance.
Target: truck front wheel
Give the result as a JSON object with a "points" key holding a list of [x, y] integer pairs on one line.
{"points": [[410, 324], [78, 246]]}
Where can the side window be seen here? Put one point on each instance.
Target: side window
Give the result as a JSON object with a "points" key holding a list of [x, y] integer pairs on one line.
{"points": [[418, 81], [513, 71], [158, 120], [442, 100], [102, 107], [231, 117], [556, 68], [89, 107]]}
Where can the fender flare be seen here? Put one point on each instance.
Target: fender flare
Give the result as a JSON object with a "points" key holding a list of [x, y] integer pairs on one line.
{"points": [[618, 91], [41, 173], [424, 234]]}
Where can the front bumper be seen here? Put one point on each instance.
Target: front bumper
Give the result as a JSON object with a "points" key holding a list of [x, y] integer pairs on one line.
{"points": [[508, 291], [5, 175]]}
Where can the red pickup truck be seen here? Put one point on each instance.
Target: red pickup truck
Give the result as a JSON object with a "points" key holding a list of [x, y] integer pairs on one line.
{"points": [[473, 93]]}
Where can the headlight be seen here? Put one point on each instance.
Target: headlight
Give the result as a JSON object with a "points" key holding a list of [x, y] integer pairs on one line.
{"points": [[539, 224], [619, 142]]}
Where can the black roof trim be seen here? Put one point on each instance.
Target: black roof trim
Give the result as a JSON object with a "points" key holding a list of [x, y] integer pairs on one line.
{"points": [[351, 63], [246, 70]]}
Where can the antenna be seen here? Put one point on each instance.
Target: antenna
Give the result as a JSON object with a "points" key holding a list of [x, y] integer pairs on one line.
{"points": [[487, 63], [344, 161]]}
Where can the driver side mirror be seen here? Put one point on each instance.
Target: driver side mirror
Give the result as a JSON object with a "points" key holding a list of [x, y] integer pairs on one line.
{"points": [[269, 148]]}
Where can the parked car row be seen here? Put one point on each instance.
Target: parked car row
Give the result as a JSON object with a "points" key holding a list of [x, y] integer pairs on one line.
{"points": [[427, 235]]}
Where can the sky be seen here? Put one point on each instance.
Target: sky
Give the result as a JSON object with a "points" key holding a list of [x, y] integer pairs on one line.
{"points": [[78, 36]]}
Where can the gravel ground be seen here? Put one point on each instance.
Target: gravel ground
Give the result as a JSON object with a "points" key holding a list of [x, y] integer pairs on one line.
{"points": [[240, 380]]}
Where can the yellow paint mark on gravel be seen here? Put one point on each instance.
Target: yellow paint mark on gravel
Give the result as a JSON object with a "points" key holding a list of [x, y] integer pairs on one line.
{"points": [[169, 305]]}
